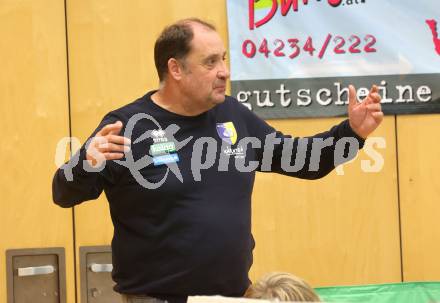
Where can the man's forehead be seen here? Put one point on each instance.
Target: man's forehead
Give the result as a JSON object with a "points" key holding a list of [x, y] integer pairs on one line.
{"points": [[206, 41]]}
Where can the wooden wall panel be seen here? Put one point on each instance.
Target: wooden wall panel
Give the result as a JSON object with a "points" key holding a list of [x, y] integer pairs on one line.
{"points": [[339, 230], [419, 162], [34, 109]]}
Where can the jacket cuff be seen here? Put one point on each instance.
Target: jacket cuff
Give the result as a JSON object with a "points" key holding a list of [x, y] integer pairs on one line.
{"points": [[349, 132]]}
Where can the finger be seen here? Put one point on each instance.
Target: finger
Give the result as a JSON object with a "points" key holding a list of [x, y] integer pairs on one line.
{"points": [[378, 116], [94, 155], [110, 147], [113, 156], [113, 128], [117, 129], [97, 140], [374, 107], [374, 89], [352, 98], [118, 139], [108, 128], [375, 97], [372, 98]]}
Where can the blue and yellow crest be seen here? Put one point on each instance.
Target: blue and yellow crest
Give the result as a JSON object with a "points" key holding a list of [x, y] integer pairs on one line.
{"points": [[227, 132]]}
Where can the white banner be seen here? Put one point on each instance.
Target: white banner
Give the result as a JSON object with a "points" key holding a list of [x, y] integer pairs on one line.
{"points": [[369, 37], [295, 58]]}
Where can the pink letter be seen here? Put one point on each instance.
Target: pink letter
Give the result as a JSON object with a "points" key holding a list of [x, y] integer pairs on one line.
{"points": [[265, 19], [285, 6], [334, 3]]}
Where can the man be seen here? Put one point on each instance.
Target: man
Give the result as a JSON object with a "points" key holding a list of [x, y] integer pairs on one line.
{"points": [[180, 208]]}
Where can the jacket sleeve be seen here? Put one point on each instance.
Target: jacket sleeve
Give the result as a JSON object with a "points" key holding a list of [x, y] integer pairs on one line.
{"points": [[73, 184], [308, 157], [311, 157]]}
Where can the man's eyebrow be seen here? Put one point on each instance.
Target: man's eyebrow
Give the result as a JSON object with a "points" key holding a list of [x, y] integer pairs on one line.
{"points": [[213, 56]]}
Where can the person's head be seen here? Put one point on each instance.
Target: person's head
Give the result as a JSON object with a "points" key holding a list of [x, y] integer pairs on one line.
{"points": [[190, 56], [282, 287]]}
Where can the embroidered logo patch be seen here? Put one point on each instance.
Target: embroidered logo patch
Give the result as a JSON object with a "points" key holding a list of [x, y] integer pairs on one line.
{"points": [[165, 159], [162, 148], [227, 132]]}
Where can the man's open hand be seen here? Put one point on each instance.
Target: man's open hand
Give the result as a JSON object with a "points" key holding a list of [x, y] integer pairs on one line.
{"points": [[364, 116], [107, 145]]}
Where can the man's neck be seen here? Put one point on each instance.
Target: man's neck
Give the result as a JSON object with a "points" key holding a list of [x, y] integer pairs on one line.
{"points": [[175, 102]]}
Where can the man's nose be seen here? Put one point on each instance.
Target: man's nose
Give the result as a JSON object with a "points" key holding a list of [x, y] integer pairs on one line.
{"points": [[223, 72]]}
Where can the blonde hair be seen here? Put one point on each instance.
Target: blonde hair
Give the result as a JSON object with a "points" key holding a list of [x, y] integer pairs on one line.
{"points": [[283, 287]]}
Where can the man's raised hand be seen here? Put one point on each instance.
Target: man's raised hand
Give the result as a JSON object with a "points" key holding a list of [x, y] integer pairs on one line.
{"points": [[107, 145], [364, 116]]}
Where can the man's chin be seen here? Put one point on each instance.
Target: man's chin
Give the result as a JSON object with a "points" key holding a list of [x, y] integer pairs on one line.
{"points": [[219, 98]]}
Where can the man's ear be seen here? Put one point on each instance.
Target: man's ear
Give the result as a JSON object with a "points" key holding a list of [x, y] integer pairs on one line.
{"points": [[175, 69]]}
